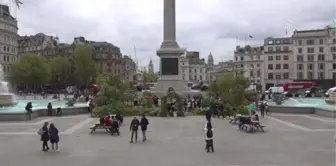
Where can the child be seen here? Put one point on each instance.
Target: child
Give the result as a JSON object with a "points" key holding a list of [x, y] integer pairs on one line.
{"points": [[54, 138], [209, 137]]}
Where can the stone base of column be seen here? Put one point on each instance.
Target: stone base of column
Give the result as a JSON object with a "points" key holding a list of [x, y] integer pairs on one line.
{"points": [[180, 87]]}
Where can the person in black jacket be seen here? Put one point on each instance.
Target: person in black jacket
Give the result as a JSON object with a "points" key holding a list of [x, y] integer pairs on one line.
{"points": [[144, 122], [29, 109], [45, 136], [134, 129]]}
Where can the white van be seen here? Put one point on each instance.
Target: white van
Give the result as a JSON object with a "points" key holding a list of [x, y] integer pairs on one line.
{"points": [[333, 89], [276, 89]]}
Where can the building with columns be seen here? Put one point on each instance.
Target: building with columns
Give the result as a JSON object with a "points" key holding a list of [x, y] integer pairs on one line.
{"points": [[8, 40]]}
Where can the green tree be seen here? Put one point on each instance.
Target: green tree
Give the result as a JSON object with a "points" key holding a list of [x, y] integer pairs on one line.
{"points": [[150, 77], [31, 70], [59, 68], [230, 89], [84, 65]]}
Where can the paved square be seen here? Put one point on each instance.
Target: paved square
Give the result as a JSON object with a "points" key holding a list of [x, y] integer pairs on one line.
{"points": [[172, 142]]}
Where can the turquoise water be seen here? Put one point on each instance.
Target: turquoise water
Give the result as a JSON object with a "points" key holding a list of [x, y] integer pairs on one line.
{"points": [[38, 104], [309, 102]]}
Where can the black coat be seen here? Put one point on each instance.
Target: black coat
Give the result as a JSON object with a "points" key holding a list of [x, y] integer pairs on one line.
{"points": [[54, 135], [143, 123], [135, 124], [45, 134]]}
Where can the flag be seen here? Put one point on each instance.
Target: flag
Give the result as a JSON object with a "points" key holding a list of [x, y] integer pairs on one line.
{"points": [[17, 3], [250, 36]]}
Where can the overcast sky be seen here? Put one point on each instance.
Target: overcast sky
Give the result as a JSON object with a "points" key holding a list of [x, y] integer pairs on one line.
{"points": [[202, 25]]}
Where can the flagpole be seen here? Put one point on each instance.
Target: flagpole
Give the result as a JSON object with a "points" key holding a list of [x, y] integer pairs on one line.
{"points": [[237, 40], [245, 40]]}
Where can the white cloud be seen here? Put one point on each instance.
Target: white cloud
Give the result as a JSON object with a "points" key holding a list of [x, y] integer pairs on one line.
{"points": [[205, 26]]}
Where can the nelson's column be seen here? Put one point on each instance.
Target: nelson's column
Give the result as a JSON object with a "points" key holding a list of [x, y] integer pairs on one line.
{"points": [[170, 54]]}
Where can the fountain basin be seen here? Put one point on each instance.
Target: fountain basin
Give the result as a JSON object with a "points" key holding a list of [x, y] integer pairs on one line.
{"points": [[316, 106], [7, 100], [331, 99], [18, 113]]}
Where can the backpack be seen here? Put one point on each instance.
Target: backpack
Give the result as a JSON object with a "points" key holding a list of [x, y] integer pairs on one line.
{"points": [[209, 133]]}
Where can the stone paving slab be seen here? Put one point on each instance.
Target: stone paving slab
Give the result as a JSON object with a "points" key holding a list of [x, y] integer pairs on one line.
{"points": [[176, 141], [307, 122]]}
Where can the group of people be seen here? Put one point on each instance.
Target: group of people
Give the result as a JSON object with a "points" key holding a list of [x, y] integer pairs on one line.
{"points": [[49, 133], [134, 127]]}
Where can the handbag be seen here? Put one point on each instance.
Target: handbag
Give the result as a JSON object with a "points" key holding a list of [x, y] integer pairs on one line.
{"points": [[40, 131]]}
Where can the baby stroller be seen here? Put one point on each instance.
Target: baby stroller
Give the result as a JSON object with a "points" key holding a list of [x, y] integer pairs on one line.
{"points": [[115, 127]]}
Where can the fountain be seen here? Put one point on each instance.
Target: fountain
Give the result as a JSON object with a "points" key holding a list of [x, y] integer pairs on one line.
{"points": [[331, 99], [6, 99]]}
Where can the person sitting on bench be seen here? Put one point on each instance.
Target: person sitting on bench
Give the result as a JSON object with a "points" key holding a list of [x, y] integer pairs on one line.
{"points": [[107, 121]]}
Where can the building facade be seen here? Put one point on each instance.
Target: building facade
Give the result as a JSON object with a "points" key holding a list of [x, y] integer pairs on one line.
{"points": [[192, 67], [278, 61], [8, 40], [107, 57], [220, 68], [249, 62]]}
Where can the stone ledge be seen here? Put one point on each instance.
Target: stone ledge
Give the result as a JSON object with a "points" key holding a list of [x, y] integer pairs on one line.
{"points": [[23, 116], [302, 110]]}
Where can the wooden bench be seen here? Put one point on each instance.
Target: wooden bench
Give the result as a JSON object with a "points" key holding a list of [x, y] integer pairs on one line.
{"points": [[99, 126]]}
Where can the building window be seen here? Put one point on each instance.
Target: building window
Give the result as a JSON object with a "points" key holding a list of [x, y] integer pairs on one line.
{"points": [[286, 57], [277, 57], [285, 75], [299, 50], [278, 66], [4, 58], [310, 42], [241, 58], [252, 66], [285, 66], [310, 50], [310, 75], [321, 41], [310, 58], [286, 48], [241, 65], [300, 58], [299, 66], [251, 74], [201, 78], [321, 49], [277, 48], [270, 49], [320, 75], [270, 76], [277, 42], [300, 42], [270, 66], [334, 41], [270, 42], [332, 49], [258, 73], [252, 58], [258, 65], [310, 66], [334, 56], [278, 76], [195, 78], [270, 58], [321, 66], [195, 70], [299, 75], [334, 65], [286, 41], [321, 57], [258, 57]]}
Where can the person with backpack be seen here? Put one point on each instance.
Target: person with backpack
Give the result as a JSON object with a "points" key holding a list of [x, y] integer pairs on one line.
{"points": [[54, 137], [209, 137], [134, 127]]}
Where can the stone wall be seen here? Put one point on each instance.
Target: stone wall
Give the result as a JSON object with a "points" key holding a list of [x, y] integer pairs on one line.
{"points": [[302, 110]]}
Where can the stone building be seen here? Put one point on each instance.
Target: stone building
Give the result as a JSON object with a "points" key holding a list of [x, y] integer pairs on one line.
{"points": [[8, 40], [249, 61], [193, 68], [150, 66], [107, 57], [220, 68], [278, 61]]}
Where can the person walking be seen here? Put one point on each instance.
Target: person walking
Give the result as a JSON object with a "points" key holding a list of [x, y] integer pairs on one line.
{"points": [[54, 137], [209, 137], [144, 123], [44, 132], [134, 127], [262, 108], [252, 108]]}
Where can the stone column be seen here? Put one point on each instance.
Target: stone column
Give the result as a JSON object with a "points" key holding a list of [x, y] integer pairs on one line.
{"points": [[169, 21]]}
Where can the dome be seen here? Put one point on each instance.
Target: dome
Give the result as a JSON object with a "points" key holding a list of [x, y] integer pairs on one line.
{"points": [[210, 57]]}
